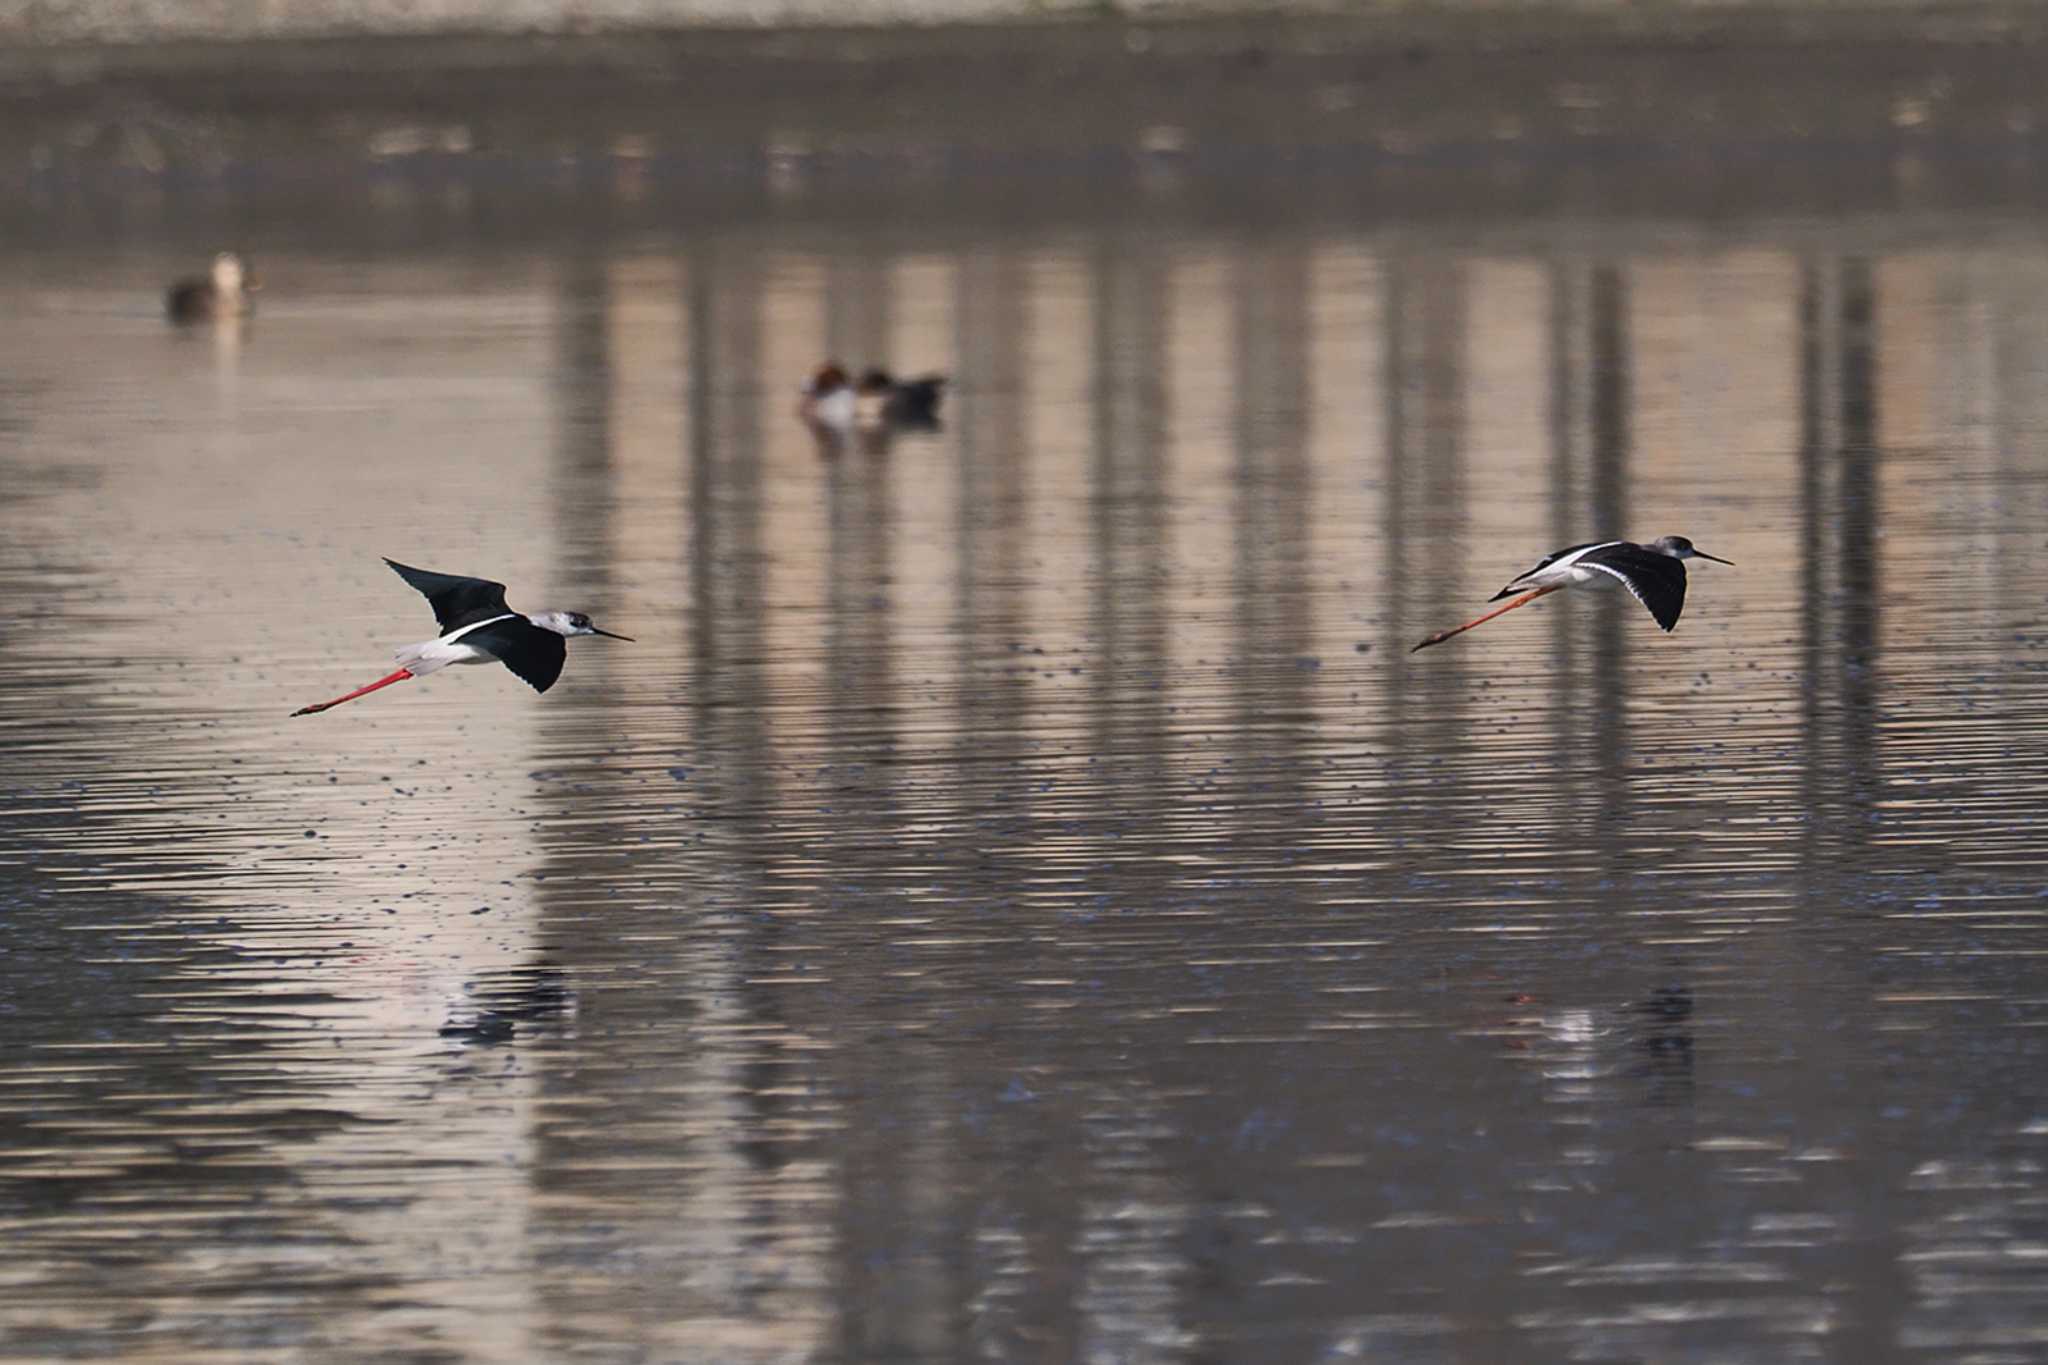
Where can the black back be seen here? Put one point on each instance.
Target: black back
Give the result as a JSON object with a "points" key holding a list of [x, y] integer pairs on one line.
{"points": [[459, 601], [189, 301], [534, 654], [916, 401], [1657, 580], [909, 402]]}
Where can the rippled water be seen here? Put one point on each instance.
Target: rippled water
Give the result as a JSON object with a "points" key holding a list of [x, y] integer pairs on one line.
{"points": [[1019, 899]]}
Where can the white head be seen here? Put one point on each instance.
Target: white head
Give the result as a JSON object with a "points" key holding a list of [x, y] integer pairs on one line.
{"points": [[572, 623], [1678, 547], [227, 274]]}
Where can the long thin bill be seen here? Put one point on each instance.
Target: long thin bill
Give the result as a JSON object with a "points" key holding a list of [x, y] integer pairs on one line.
{"points": [[609, 636], [400, 676], [1521, 601]]}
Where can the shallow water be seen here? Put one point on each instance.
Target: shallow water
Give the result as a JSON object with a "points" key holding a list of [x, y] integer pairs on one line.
{"points": [[1019, 899]]}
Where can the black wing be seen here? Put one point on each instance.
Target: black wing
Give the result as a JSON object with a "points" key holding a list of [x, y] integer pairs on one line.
{"points": [[1657, 580], [536, 655], [457, 601]]}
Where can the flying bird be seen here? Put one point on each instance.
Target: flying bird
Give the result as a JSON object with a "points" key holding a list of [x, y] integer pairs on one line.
{"points": [[1654, 575], [478, 628]]}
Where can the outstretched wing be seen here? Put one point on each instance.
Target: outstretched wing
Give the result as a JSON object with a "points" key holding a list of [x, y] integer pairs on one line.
{"points": [[1656, 580], [536, 655], [457, 601]]}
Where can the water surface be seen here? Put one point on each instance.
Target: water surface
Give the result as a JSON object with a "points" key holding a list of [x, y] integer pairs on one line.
{"points": [[1019, 899]]}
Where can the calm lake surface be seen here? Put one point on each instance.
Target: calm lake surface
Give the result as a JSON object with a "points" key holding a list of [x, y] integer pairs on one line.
{"points": [[1019, 899]]}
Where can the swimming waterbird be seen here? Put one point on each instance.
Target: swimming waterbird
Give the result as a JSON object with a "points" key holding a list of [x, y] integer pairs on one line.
{"points": [[1654, 574], [478, 628], [833, 400], [222, 292]]}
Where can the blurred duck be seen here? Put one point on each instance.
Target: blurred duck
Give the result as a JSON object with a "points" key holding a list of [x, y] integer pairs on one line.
{"points": [[829, 400], [222, 293], [909, 403]]}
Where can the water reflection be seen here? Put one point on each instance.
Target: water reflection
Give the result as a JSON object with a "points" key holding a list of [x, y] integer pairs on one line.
{"points": [[1020, 898]]}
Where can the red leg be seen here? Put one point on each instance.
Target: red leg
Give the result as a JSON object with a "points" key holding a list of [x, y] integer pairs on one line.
{"points": [[1523, 600], [400, 676]]}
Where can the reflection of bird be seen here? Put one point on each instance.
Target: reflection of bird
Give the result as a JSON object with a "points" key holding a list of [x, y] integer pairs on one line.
{"points": [[909, 403], [478, 628], [222, 293], [1653, 574], [1664, 1035], [502, 1001]]}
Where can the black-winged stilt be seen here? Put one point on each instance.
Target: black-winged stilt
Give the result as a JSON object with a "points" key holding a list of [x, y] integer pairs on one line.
{"points": [[478, 628], [222, 292], [1654, 574]]}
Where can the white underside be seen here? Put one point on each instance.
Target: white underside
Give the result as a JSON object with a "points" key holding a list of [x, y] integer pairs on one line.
{"points": [[838, 408], [1569, 573], [1586, 577], [430, 656]]}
